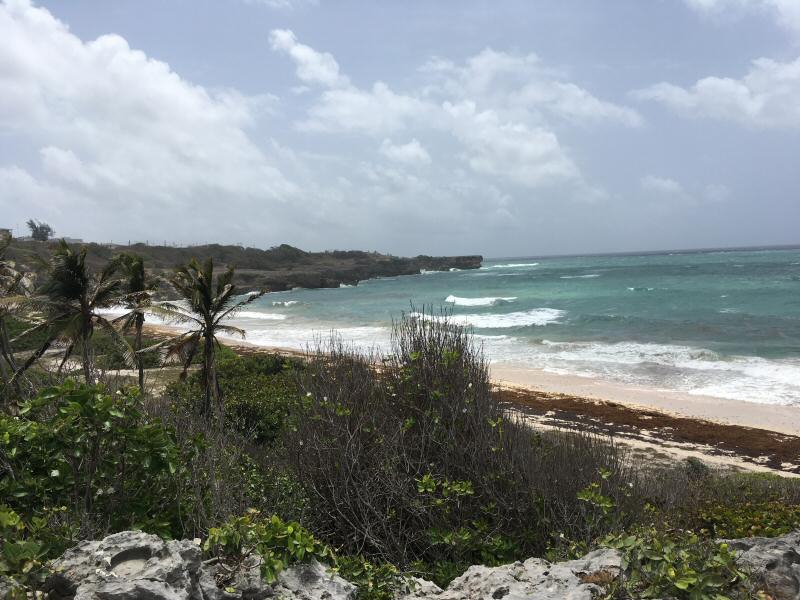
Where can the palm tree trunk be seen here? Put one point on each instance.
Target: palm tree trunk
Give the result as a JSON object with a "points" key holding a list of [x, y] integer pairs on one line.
{"points": [[5, 345], [137, 346], [87, 361], [208, 380], [31, 359]]}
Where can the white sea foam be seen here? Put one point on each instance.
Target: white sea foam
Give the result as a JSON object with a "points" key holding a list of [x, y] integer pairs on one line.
{"points": [[534, 317], [587, 276], [345, 285], [262, 316], [487, 301], [696, 371], [512, 266], [285, 303], [640, 289], [311, 337]]}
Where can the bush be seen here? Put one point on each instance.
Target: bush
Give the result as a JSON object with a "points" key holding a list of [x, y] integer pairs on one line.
{"points": [[258, 391], [416, 462], [677, 564], [272, 543], [75, 446]]}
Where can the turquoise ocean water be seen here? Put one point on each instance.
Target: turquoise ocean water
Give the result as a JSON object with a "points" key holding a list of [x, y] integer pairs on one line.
{"points": [[723, 323]]}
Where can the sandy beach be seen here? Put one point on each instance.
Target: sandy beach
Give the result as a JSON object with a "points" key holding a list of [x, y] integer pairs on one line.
{"points": [[782, 419]]}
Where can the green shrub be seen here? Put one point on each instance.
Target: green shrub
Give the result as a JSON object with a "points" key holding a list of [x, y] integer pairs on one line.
{"points": [[677, 564], [76, 446], [275, 543], [766, 519], [375, 581], [22, 554], [258, 390]]}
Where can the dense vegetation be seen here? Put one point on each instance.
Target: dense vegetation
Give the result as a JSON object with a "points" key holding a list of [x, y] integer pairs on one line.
{"points": [[379, 466]]}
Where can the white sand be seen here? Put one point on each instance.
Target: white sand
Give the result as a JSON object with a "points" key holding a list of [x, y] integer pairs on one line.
{"points": [[783, 419]]}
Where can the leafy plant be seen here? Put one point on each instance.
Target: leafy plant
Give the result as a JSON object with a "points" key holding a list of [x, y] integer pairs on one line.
{"points": [[22, 555], [94, 453], [272, 542], [677, 564], [767, 519]]}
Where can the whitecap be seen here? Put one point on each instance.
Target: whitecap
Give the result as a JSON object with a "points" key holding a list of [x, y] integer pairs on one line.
{"points": [[534, 317], [345, 285], [587, 276], [512, 266], [262, 316], [487, 301], [286, 303]]}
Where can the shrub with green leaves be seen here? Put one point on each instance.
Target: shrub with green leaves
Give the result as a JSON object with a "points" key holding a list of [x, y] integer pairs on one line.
{"points": [[22, 554], [677, 564], [95, 454], [272, 542], [259, 392], [766, 519]]}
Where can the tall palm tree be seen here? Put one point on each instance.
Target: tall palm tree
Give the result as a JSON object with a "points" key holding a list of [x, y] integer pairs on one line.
{"points": [[206, 303], [138, 291], [70, 302]]}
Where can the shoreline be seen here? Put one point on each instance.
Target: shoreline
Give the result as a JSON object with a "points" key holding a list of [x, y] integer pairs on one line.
{"points": [[656, 425], [772, 417]]}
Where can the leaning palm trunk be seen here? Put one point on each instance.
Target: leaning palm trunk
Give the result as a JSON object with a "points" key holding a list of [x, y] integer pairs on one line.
{"points": [[137, 347], [5, 346]]}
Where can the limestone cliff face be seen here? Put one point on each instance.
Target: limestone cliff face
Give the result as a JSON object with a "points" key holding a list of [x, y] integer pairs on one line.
{"points": [[276, 269]]}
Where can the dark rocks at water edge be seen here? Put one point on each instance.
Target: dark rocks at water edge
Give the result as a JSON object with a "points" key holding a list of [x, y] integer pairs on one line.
{"points": [[135, 565], [276, 269]]}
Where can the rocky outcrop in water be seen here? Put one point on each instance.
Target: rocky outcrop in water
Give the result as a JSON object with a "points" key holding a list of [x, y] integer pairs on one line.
{"points": [[139, 566]]}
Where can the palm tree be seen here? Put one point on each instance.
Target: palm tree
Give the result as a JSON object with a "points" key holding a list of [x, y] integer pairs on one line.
{"points": [[207, 303], [70, 302], [13, 291], [138, 298]]}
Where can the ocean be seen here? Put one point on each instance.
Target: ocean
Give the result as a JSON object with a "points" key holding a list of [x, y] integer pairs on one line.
{"points": [[722, 323]]}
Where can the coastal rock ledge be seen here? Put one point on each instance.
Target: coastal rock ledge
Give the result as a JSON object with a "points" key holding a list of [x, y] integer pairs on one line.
{"points": [[138, 566]]}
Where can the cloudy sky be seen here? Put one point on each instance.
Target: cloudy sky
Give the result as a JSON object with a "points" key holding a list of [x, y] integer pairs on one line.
{"points": [[514, 127]]}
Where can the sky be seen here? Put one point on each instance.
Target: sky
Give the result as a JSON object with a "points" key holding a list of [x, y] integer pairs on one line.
{"points": [[505, 128]]}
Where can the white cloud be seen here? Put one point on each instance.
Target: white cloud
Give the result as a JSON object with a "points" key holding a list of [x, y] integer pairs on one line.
{"points": [[283, 4], [766, 97], [377, 111], [661, 185], [312, 66], [523, 85], [494, 107], [125, 130], [785, 12], [527, 156], [412, 153]]}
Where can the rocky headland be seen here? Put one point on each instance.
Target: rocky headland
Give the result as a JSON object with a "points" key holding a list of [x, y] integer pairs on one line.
{"points": [[276, 269]]}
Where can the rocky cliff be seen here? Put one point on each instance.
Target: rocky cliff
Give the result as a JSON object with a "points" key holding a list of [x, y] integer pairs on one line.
{"points": [[276, 269], [139, 566]]}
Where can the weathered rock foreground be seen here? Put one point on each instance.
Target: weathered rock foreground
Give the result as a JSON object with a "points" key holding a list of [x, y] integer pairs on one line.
{"points": [[138, 566]]}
